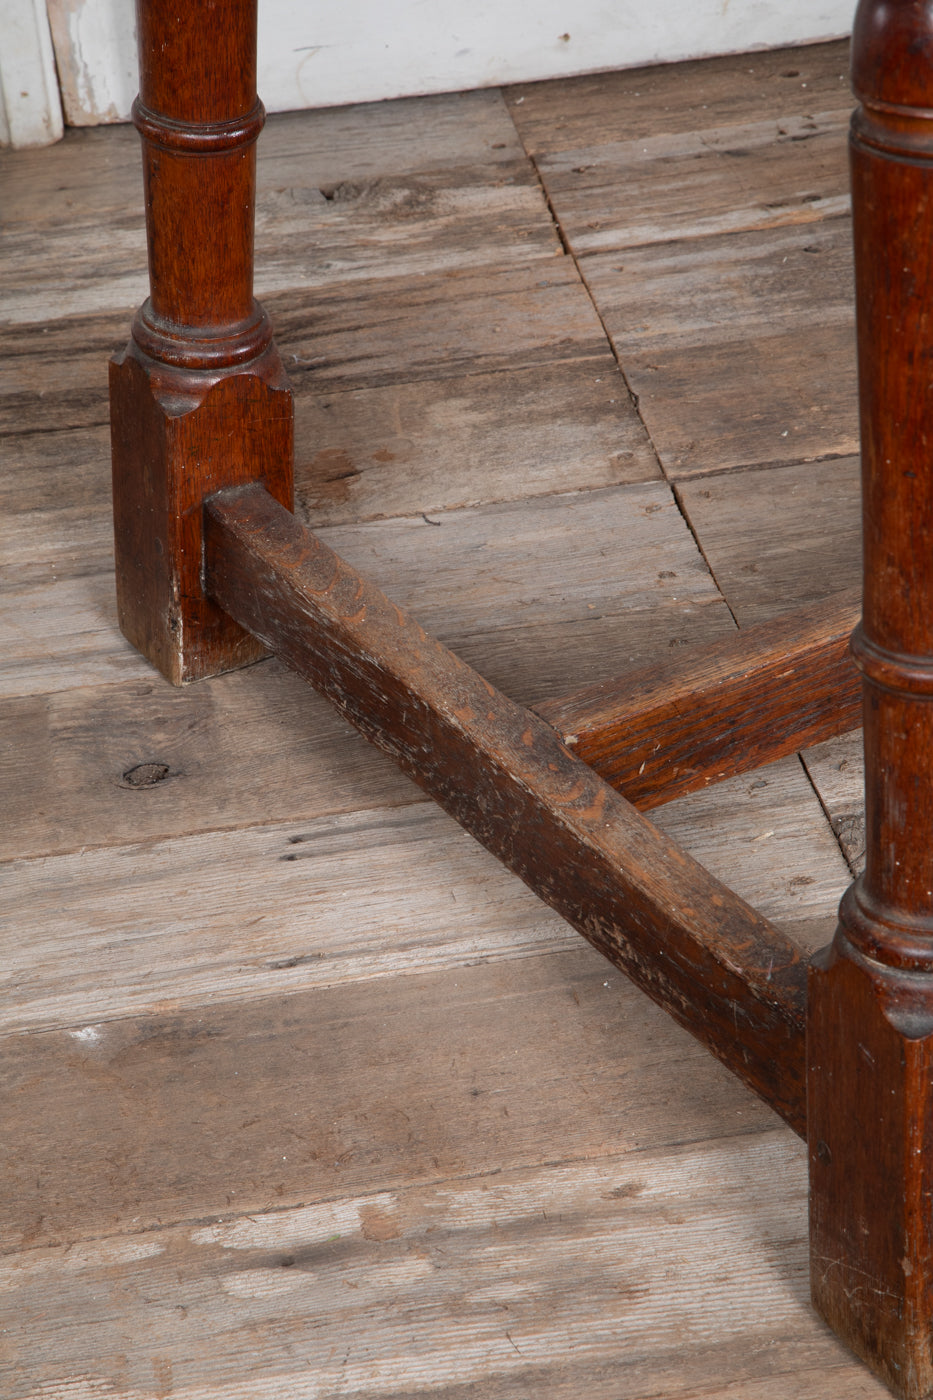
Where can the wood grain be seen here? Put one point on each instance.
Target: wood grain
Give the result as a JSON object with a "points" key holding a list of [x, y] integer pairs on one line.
{"points": [[98, 932], [870, 996], [534, 341], [464, 320], [198, 399], [406, 449], [704, 954], [511, 1281], [592, 110], [360, 335], [123, 1125], [790, 400], [670, 295], [97, 178], [716, 216], [836, 770], [169, 449], [483, 580], [370, 141], [768, 313], [450, 190], [779, 538], [503, 556], [725, 179], [769, 843], [249, 749], [316, 902], [667, 730], [53, 376], [200, 1034]]}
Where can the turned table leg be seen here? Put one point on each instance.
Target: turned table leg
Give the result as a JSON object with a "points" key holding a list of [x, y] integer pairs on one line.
{"points": [[199, 399], [870, 1050], [200, 404]]}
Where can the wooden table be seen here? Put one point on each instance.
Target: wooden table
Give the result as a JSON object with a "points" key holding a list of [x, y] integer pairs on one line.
{"points": [[213, 569]]}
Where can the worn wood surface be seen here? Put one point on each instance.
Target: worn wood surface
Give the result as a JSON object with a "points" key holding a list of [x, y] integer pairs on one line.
{"points": [[288, 883], [734, 706], [615, 609], [444, 184], [403, 330], [214, 1029], [703, 223], [781, 538], [728, 179], [510, 781], [370, 451], [533, 1245], [687, 318], [130, 1123], [836, 769], [870, 996], [679, 98]]}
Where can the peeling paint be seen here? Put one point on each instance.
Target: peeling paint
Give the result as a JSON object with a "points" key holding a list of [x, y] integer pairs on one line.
{"points": [[95, 51], [327, 55]]}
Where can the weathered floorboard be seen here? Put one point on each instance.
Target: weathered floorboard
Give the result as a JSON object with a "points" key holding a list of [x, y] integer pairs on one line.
{"points": [[781, 538], [206, 1047], [482, 578], [463, 203], [296, 1096], [513, 1283], [713, 234], [388, 450], [357, 335], [792, 397], [592, 110], [291, 882], [740, 348], [724, 288], [716, 180], [837, 771]]}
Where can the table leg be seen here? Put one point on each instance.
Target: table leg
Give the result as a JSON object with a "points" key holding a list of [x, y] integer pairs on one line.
{"points": [[870, 1032], [199, 399]]}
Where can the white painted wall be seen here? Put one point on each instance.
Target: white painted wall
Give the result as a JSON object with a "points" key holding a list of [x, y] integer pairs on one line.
{"points": [[365, 49], [324, 53]]}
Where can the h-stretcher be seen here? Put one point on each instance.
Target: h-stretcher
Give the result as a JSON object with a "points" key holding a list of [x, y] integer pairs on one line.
{"points": [[214, 570]]}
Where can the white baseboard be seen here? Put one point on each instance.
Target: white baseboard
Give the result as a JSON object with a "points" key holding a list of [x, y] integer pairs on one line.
{"points": [[30, 109], [318, 55]]}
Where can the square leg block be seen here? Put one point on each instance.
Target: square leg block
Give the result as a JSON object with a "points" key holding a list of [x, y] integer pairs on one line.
{"points": [[177, 439]]}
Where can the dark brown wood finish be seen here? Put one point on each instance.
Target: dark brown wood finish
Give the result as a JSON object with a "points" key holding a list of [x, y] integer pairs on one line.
{"points": [[212, 568], [199, 399], [667, 730], [721, 969], [871, 994]]}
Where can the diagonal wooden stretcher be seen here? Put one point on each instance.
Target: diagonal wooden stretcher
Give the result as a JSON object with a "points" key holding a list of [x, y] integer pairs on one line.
{"points": [[213, 570]]}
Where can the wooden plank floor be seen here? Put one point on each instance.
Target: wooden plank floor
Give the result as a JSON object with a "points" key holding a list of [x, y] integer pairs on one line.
{"points": [[302, 1095]]}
